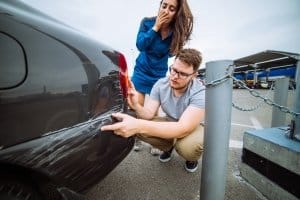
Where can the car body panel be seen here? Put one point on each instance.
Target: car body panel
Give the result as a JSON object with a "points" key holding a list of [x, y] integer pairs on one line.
{"points": [[60, 154], [65, 86]]}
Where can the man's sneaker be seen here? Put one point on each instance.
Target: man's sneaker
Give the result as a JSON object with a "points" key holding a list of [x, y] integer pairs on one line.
{"points": [[191, 166], [137, 145], [154, 151], [166, 156]]}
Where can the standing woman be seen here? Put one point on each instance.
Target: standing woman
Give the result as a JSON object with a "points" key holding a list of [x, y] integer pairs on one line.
{"points": [[159, 38]]}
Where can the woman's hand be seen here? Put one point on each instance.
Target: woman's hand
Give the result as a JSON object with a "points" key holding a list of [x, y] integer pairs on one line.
{"points": [[161, 18]]}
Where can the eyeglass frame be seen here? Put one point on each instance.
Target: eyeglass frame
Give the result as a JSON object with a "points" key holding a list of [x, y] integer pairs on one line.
{"points": [[181, 75]]}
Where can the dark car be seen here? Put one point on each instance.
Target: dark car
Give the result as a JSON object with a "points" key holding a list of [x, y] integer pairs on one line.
{"points": [[57, 87]]}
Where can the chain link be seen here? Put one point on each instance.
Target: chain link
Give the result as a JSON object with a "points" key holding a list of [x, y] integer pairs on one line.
{"points": [[216, 82], [265, 99], [253, 92]]}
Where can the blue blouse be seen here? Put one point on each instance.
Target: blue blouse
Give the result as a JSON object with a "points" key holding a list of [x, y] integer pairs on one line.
{"points": [[152, 61]]}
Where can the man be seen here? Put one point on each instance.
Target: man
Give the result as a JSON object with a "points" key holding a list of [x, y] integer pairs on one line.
{"points": [[182, 97]]}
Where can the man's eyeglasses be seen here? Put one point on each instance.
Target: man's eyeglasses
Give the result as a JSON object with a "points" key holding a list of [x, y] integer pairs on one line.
{"points": [[181, 75]]}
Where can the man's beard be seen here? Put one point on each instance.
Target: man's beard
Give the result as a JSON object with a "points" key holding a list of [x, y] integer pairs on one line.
{"points": [[180, 87]]}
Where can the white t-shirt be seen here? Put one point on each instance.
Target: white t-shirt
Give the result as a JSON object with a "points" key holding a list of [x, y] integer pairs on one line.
{"points": [[175, 106]]}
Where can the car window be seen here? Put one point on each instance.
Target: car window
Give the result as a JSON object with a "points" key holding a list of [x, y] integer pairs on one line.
{"points": [[12, 62]]}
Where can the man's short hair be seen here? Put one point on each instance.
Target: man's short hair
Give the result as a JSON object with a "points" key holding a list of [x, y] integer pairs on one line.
{"points": [[191, 57]]}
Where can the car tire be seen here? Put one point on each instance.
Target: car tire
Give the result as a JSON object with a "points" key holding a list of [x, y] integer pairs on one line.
{"points": [[13, 188]]}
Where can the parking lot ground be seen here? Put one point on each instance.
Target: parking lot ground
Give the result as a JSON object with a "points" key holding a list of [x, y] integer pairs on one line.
{"points": [[142, 176]]}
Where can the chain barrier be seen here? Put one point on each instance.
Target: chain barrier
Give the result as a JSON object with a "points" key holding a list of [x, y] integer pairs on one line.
{"points": [[254, 107], [216, 82], [253, 92]]}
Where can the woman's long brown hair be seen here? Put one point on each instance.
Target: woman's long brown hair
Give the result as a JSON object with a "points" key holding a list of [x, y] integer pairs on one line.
{"points": [[182, 26]]}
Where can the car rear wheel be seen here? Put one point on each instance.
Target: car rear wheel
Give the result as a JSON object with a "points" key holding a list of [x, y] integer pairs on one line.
{"points": [[13, 188]]}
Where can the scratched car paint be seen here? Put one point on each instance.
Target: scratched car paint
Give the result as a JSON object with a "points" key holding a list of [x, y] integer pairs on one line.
{"points": [[57, 87]]}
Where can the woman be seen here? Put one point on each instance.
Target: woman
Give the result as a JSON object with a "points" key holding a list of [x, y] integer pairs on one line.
{"points": [[158, 39]]}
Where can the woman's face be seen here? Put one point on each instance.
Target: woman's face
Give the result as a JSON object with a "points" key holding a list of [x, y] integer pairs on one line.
{"points": [[170, 8]]}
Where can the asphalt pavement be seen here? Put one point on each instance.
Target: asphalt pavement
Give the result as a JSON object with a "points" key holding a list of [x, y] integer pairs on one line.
{"points": [[141, 176]]}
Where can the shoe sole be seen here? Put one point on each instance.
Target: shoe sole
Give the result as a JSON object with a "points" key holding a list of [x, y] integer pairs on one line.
{"points": [[155, 152], [165, 160], [191, 170], [137, 148]]}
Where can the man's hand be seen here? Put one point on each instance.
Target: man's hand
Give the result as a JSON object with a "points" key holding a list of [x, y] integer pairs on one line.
{"points": [[127, 126], [132, 96]]}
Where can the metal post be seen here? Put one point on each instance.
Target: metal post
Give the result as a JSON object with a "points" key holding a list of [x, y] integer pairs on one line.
{"points": [[297, 102], [255, 78], [280, 97], [218, 102]]}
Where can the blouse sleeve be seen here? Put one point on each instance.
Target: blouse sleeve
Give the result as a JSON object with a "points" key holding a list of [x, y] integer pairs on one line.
{"points": [[145, 36]]}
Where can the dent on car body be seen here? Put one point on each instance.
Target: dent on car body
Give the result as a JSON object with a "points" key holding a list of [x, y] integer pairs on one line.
{"points": [[50, 154]]}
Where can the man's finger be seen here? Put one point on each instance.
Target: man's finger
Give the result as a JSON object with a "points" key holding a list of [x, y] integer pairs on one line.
{"points": [[110, 127], [131, 91], [119, 116], [130, 84]]}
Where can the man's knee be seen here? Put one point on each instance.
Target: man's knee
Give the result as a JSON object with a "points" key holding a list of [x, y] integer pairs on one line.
{"points": [[160, 143], [191, 152]]}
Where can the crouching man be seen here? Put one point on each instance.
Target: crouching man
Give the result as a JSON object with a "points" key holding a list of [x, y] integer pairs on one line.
{"points": [[182, 98]]}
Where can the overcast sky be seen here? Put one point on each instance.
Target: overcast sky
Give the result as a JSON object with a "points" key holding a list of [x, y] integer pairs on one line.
{"points": [[228, 29]]}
